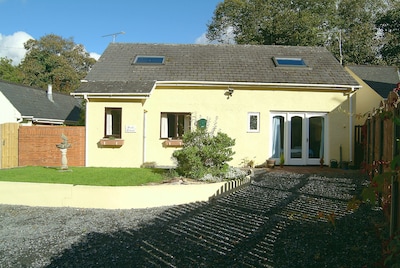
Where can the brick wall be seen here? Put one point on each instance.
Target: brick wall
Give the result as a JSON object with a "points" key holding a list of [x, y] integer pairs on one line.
{"points": [[37, 145]]}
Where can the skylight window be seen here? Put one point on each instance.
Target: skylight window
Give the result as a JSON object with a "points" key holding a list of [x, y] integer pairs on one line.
{"points": [[289, 62], [149, 60]]}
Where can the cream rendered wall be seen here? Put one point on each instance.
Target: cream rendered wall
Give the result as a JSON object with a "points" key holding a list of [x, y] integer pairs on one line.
{"points": [[366, 99], [130, 154], [8, 112], [230, 116]]}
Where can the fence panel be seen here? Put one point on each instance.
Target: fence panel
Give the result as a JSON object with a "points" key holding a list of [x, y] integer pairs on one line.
{"points": [[9, 145]]}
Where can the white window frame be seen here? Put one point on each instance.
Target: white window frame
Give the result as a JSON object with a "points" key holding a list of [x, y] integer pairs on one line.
{"points": [[109, 124], [164, 124], [249, 122]]}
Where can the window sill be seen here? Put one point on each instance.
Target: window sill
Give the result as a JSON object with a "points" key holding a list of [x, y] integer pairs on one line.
{"points": [[111, 142], [173, 143]]}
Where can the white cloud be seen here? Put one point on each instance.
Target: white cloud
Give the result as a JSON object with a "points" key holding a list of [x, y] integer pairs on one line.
{"points": [[202, 39], [227, 38], [94, 55], [12, 46]]}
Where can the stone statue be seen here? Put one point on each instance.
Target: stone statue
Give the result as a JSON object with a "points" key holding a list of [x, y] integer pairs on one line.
{"points": [[63, 146]]}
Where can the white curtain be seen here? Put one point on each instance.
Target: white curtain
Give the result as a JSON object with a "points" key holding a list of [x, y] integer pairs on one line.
{"points": [[276, 137], [109, 123], [164, 126]]}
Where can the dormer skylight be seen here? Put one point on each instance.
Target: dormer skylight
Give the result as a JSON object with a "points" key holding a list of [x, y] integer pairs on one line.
{"points": [[289, 62], [149, 60]]}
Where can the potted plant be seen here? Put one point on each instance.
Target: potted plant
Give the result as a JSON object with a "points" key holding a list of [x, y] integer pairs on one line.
{"points": [[282, 160]]}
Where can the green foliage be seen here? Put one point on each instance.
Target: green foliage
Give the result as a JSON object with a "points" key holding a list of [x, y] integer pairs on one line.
{"points": [[389, 22], [346, 27], [204, 153], [8, 72], [392, 252], [57, 61], [375, 188]]}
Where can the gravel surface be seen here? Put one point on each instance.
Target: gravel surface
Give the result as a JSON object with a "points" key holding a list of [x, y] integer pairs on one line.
{"points": [[280, 220], [32, 236]]}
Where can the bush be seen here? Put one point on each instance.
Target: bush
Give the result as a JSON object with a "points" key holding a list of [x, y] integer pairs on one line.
{"points": [[204, 154]]}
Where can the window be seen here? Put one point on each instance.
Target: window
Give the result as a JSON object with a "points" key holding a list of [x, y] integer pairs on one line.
{"points": [[174, 125], [289, 62], [149, 60], [113, 122], [253, 122]]}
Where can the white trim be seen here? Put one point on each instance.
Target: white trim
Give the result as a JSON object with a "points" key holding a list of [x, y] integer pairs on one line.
{"points": [[249, 115]]}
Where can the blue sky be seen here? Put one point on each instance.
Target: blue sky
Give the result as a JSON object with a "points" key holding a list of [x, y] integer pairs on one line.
{"points": [[87, 21]]}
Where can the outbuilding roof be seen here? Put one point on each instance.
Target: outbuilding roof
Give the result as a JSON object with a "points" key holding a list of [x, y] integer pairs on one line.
{"points": [[34, 102], [119, 71], [382, 79]]}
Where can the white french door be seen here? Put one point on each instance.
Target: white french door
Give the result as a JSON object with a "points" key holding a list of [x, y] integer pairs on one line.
{"points": [[299, 136]]}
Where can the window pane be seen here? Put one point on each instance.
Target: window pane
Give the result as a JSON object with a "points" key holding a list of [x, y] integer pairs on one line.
{"points": [[253, 122], [296, 137], [113, 117], [174, 125], [149, 60], [316, 139], [278, 128]]}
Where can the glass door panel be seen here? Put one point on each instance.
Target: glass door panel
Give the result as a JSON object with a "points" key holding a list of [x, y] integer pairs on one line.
{"points": [[316, 137], [296, 137], [278, 136]]}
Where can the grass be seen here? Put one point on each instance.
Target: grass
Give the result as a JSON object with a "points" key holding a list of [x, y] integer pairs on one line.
{"points": [[85, 175]]}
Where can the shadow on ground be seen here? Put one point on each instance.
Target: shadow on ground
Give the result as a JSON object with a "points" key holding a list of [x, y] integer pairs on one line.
{"points": [[279, 220]]}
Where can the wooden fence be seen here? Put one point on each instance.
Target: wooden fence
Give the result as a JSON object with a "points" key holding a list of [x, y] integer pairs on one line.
{"points": [[9, 145], [381, 139], [36, 145]]}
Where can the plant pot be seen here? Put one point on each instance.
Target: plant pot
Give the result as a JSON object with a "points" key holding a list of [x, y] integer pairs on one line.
{"points": [[270, 163], [112, 142]]}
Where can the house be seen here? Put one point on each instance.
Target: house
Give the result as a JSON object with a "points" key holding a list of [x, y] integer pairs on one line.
{"points": [[273, 100], [376, 82], [33, 106]]}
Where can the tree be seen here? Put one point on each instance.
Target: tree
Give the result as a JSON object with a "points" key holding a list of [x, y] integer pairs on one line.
{"points": [[275, 22], [57, 61], [8, 72], [345, 27], [389, 22], [354, 27]]}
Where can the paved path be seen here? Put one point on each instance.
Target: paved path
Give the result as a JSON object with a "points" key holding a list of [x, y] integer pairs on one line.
{"points": [[280, 220]]}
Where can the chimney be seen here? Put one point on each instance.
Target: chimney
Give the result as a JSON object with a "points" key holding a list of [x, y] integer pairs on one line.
{"points": [[50, 92]]}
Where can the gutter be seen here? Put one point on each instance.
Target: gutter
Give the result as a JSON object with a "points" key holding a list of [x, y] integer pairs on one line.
{"points": [[336, 87], [130, 96]]}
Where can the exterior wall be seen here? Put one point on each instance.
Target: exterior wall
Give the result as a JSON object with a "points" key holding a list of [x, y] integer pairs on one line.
{"points": [[8, 112], [366, 100], [128, 155], [227, 115], [37, 145], [230, 116]]}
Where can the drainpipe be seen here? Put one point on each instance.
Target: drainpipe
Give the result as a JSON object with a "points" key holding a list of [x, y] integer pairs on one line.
{"points": [[144, 135], [85, 97], [350, 100]]}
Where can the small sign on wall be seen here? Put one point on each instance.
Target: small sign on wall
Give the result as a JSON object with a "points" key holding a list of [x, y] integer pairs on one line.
{"points": [[130, 129]]}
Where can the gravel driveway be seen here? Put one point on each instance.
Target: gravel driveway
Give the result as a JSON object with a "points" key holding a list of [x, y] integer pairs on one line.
{"points": [[279, 220]]}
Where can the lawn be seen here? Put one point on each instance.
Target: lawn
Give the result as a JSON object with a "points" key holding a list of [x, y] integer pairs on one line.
{"points": [[85, 175]]}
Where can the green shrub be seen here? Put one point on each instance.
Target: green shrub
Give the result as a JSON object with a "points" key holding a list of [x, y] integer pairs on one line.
{"points": [[204, 154]]}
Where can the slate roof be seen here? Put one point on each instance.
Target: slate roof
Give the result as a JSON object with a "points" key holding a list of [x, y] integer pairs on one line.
{"points": [[34, 102], [382, 79], [115, 72]]}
